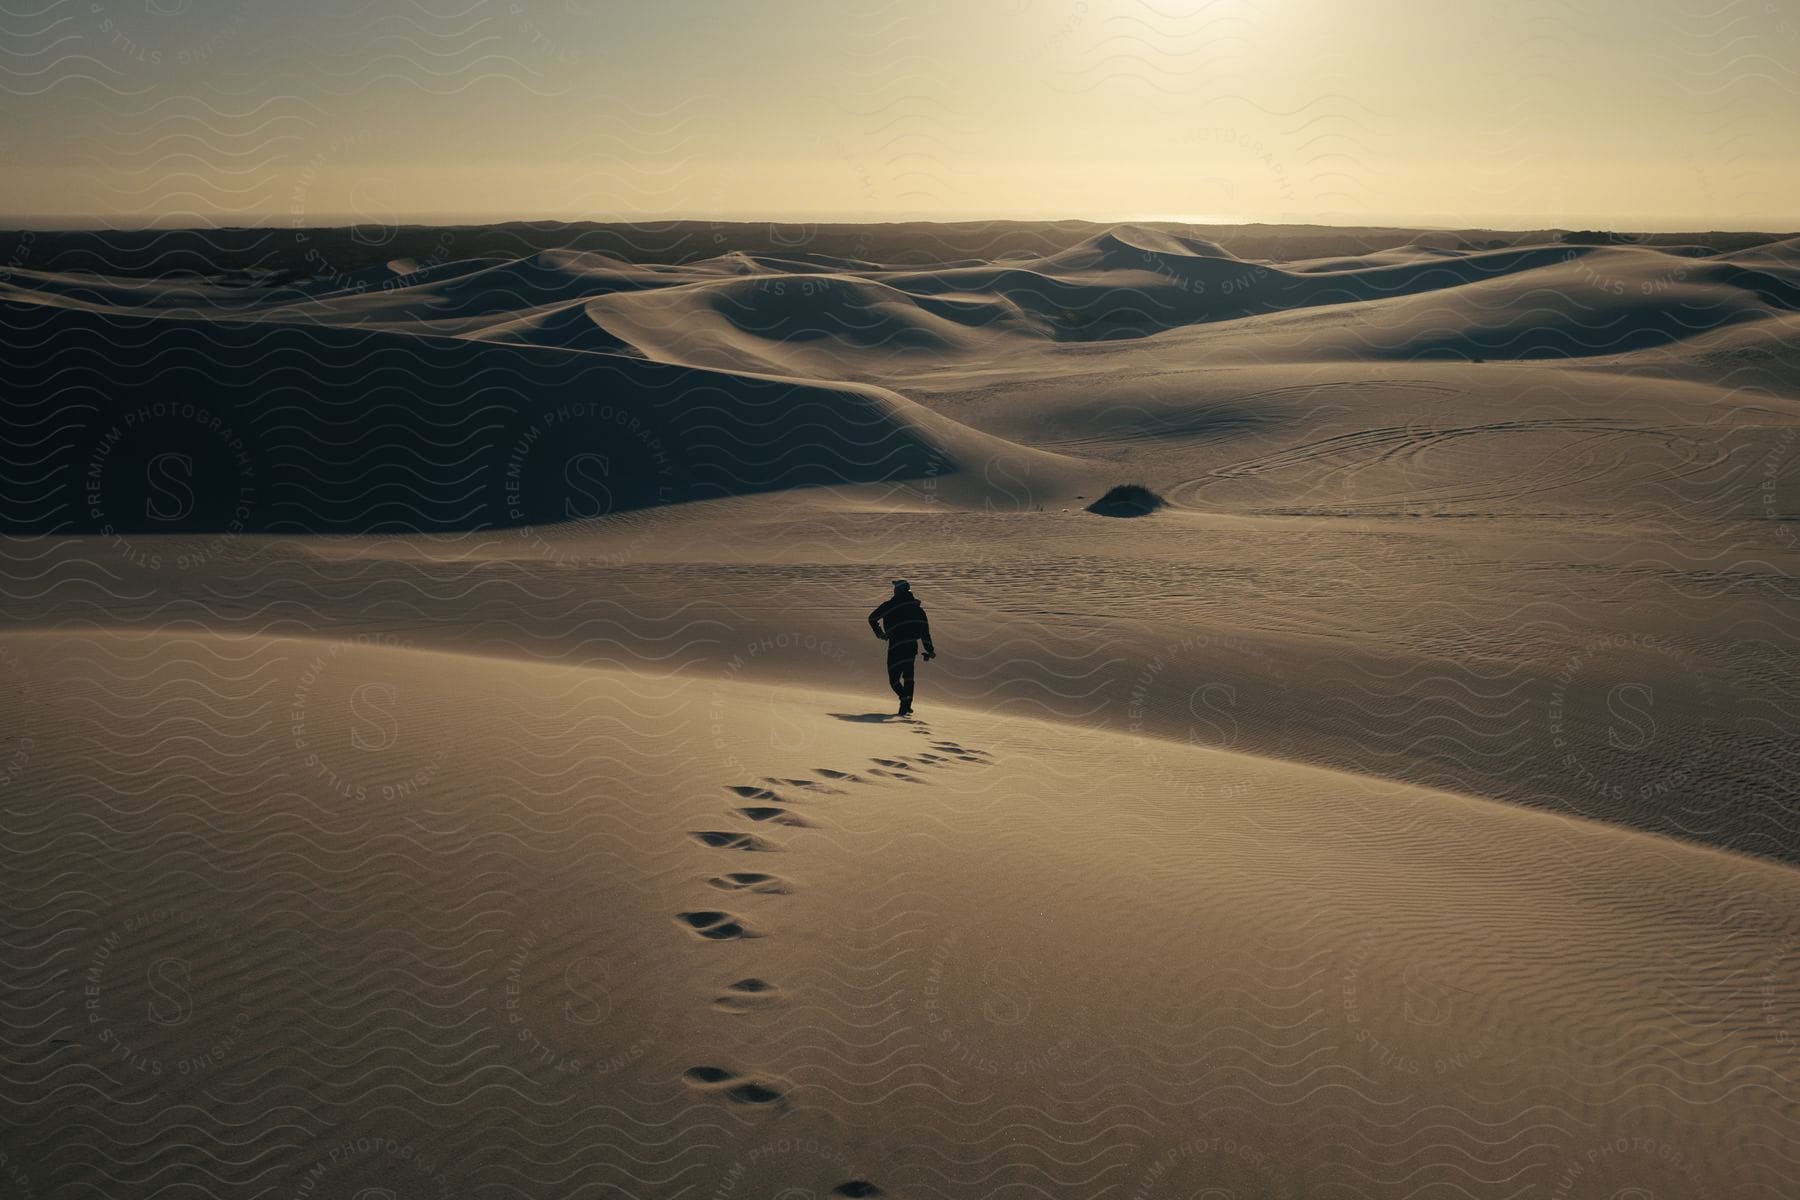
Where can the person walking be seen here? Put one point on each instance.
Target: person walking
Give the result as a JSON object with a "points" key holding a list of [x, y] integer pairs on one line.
{"points": [[900, 622]]}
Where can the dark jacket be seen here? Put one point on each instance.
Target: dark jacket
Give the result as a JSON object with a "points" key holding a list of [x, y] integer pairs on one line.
{"points": [[902, 619]]}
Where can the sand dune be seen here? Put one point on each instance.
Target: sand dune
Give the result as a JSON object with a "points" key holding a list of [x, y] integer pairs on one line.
{"points": [[813, 325], [295, 428], [449, 755], [814, 318], [568, 927], [570, 325]]}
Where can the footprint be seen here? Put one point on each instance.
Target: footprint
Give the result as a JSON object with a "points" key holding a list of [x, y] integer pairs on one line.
{"points": [[754, 793], [890, 762], [734, 1087], [836, 774], [751, 881], [780, 816], [706, 1075], [718, 926], [723, 840], [811, 785], [747, 995], [857, 1188]]}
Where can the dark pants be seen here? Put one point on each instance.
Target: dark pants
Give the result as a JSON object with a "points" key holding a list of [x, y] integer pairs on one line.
{"points": [[901, 660]]}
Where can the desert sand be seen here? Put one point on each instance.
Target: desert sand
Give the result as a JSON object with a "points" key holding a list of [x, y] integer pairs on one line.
{"points": [[447, 753]]}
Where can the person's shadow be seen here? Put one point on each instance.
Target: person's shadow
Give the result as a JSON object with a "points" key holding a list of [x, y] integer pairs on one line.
{"points": [[870, 718]]}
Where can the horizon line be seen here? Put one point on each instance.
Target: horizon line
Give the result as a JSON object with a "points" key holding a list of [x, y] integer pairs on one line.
{"points": [[57, 223]]}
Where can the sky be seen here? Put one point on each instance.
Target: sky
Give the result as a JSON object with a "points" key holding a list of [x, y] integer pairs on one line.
{"points": [[1623, 114]]}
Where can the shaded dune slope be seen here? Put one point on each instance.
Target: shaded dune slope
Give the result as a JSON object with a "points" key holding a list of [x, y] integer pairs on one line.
{"points": [[395, 398], [126, 423]]}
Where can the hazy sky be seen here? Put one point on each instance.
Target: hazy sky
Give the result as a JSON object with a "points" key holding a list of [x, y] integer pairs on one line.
{"points": [[1622, 113]]}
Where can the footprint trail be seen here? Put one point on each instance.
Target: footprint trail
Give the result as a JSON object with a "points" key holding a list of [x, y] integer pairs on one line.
{"points": [[773, 804]]}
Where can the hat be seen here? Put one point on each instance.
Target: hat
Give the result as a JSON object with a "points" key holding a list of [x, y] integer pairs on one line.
{"points": [[900, 585]]}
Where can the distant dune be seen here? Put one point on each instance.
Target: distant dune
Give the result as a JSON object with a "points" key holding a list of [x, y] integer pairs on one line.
{"points": [[376, 400]]}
